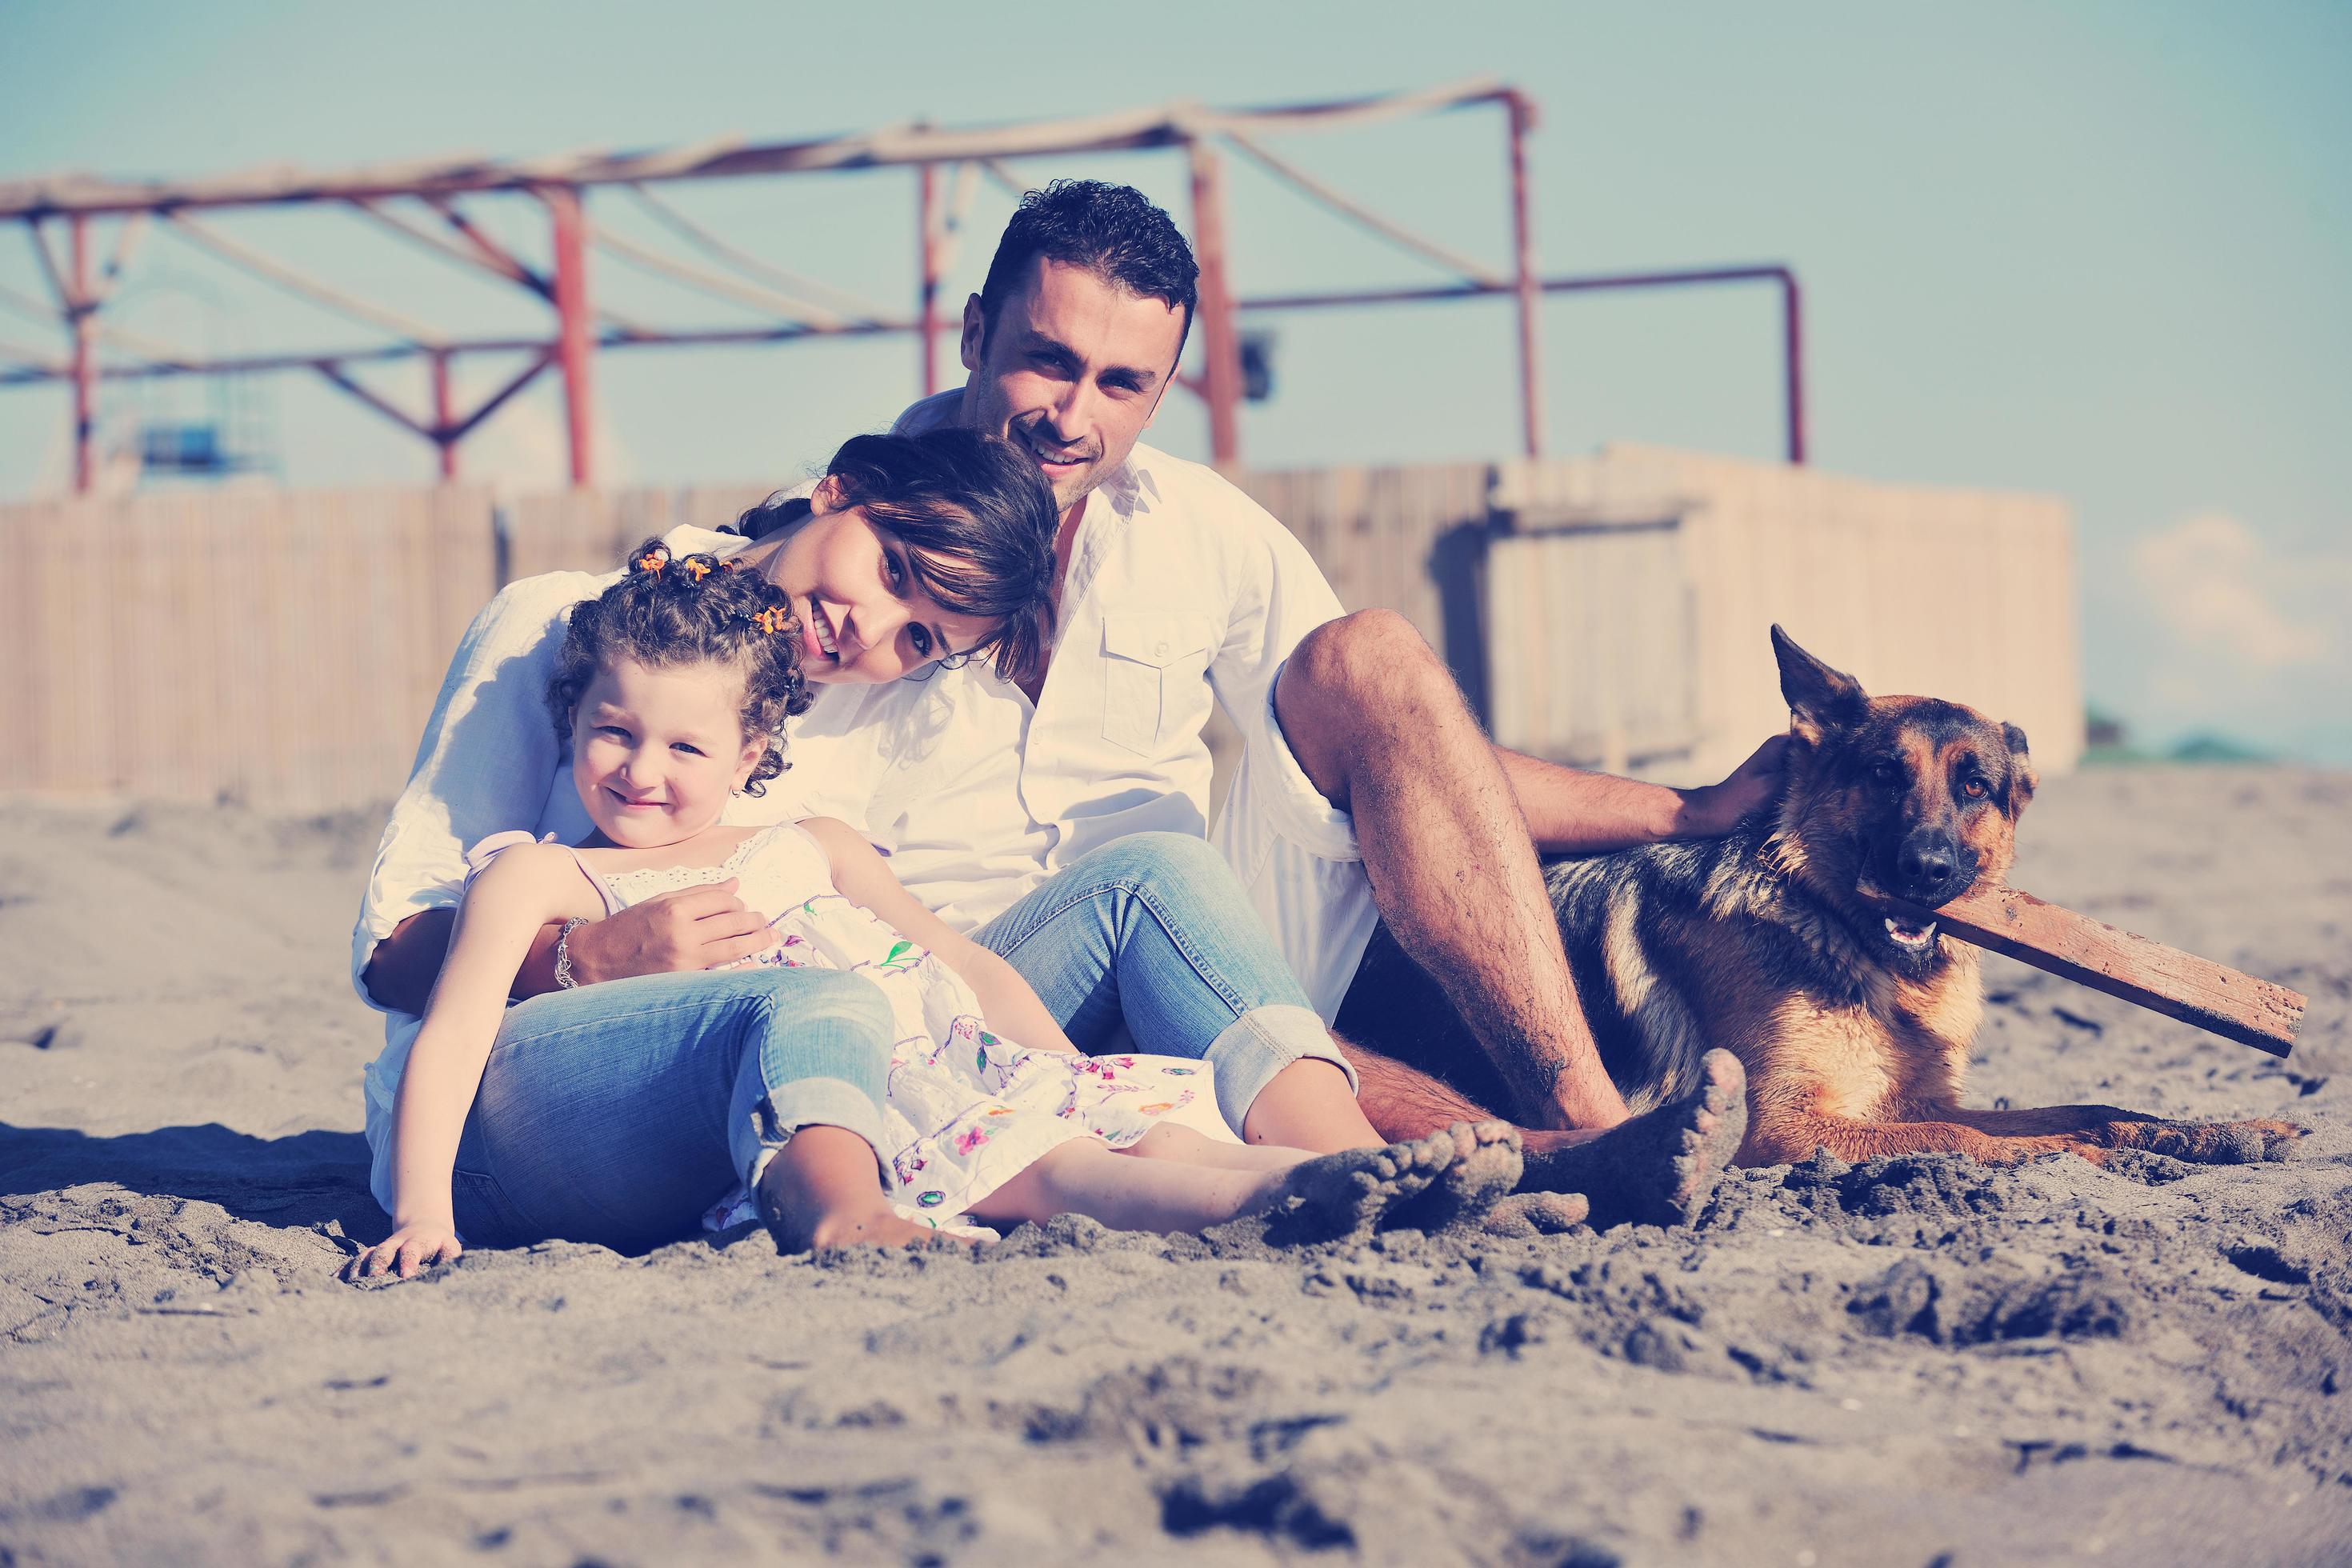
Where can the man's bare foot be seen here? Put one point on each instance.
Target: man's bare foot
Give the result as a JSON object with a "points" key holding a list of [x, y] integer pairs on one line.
{"points": [[1659, 1167], [1335, 1196], [1487, 1166]]}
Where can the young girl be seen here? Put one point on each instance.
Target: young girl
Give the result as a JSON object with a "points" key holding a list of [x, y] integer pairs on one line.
{"points": [[671, 689]]}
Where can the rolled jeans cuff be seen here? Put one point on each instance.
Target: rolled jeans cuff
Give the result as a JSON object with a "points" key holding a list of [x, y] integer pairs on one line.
{"points": [[763, 1129], [1261, 1043]]}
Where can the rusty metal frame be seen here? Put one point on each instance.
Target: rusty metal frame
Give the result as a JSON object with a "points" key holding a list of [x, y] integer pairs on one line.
{"points": [[560, 184]]}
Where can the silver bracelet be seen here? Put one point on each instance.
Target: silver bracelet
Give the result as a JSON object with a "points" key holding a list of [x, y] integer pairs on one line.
{"points": [[564, 976]]}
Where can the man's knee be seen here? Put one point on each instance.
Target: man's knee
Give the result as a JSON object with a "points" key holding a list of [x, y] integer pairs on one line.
{"points": [[1354, 682], [1372, 654]]}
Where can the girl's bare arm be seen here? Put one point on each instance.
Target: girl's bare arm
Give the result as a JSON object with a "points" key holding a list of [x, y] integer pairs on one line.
{"points": [[522, 892], [1005, 999]]}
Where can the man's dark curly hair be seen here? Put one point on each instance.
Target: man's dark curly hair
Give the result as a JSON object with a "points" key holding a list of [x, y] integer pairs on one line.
{"points": [[1113, 231], [977, 520], [693, 609]]}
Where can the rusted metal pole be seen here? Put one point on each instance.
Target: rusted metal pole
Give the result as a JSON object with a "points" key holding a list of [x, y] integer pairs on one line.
{"points": [[1529, 287], [444, 417], [573, 337], [84, 306], [1220, 340], [1792, 356], [927, 243]]}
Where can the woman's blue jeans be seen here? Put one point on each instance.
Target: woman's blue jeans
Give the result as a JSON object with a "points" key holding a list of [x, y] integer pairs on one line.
{"points": [[1155, 931], [617, 1113]]}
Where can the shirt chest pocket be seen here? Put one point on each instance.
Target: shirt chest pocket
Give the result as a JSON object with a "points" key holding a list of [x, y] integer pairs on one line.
{"points": [[1154, 665]]}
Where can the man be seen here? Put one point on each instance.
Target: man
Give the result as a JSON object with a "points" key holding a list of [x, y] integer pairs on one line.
{"points": [[1367, 790]]}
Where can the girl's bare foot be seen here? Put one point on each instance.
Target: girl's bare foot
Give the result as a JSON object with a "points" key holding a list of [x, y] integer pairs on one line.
{"points": [[823, 1189], [887, 1229]]}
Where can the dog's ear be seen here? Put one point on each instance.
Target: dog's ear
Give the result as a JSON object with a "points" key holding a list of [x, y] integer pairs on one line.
{"points": [[2023, 778], [1821, 700]]}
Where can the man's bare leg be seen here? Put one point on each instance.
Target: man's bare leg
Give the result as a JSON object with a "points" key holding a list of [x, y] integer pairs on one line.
{"points": [[1377, 725]]}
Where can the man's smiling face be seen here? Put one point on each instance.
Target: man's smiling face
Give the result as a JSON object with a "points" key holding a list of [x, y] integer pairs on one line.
{"points": [[1071, 370]]}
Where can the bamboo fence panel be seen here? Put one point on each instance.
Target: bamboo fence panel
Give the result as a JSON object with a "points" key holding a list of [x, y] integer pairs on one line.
{"points": [[276, 646]]}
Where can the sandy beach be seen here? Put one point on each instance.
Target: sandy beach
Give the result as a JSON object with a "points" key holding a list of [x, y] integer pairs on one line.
{"points": [[1918, 1361]]}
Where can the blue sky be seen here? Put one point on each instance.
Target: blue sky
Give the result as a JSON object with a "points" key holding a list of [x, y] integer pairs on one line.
{"points": [[2102, 252]]}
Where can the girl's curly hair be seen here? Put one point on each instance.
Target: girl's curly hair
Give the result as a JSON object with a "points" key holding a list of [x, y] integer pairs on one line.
{"points": [[693, 609]]}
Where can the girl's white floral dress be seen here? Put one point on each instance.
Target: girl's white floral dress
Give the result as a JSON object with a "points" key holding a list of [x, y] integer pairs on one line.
{"points": [[967, 1110]]}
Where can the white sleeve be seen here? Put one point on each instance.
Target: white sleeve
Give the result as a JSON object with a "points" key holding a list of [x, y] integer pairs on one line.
{"points": [[836, 756], [1278, 595], [484, 764]]}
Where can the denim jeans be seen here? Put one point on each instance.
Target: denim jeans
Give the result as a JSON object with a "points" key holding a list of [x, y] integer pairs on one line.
{"points": [[616, 1113], [1155, 931]]}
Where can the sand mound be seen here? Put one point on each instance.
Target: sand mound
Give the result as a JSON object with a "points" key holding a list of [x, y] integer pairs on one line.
{"points": [[1910, 1360]]}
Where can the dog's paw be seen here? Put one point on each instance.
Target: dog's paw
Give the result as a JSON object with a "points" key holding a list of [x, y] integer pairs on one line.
{"points": [[2278, 1137], [2205, 1142]]}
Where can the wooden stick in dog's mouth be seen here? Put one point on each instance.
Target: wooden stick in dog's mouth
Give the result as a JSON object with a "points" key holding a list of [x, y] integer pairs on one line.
{"points": [[2049, 937]]}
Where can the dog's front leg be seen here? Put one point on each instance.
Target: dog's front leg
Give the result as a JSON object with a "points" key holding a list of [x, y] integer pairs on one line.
{"points": [[2106, 1127], [1789, 1137]]}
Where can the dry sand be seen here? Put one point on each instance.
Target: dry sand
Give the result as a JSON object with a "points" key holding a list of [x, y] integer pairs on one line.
{"points": [[1914, 1362]]}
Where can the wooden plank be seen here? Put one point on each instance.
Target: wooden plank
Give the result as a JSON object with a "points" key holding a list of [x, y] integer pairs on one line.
{"points": [[2054, 939]]}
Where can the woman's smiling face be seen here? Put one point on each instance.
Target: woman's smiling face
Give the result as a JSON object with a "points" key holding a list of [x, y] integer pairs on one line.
{"points": [[864, 615]]}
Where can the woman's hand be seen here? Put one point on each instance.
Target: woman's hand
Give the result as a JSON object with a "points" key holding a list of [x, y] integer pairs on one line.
{"points": [[408, 1251]]}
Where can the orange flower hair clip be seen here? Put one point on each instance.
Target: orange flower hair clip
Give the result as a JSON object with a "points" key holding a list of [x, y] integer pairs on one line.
{"points": [[700, 569], [772, 621], [654, 559]]}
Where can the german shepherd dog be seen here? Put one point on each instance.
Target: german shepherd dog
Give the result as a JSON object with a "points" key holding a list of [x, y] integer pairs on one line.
{"points": [[1796, 943]]}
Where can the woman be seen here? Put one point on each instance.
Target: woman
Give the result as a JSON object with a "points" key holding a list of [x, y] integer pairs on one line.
{"points": [[912, 551]]}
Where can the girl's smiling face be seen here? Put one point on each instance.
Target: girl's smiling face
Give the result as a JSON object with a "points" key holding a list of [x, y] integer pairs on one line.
{"points": [[864, 615], [656, 751]]}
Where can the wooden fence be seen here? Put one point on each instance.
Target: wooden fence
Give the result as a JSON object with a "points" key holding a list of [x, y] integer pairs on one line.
{"points": [[284, 647], [1965, 595]]}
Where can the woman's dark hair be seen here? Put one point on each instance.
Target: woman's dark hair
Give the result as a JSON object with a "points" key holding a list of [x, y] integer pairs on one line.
{"points": [[977, 521], [692, 609]]}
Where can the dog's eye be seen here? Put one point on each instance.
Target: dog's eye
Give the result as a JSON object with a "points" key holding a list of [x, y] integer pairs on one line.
{"points": [[1888, 773], [1975, 789]]}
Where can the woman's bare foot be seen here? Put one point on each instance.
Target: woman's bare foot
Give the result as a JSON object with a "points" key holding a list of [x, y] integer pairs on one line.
{"points": [[1487, 1166], [1658, 1168], [1335, 1196]]}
